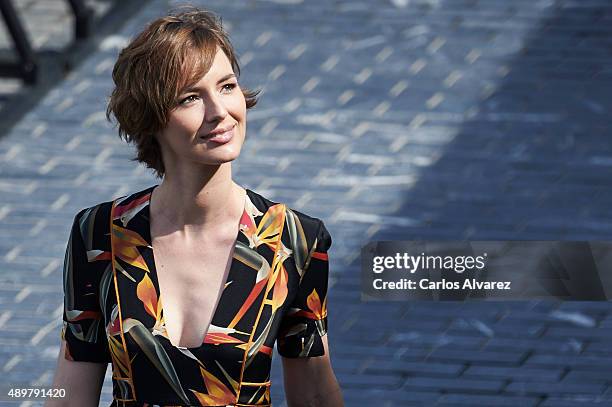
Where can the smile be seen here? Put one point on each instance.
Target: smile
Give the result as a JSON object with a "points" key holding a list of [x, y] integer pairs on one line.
{"points": [[221, 138]]}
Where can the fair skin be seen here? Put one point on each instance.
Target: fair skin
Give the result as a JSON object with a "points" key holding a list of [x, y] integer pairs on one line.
{"points": [[82, 382], [199, 205], [310, 382]]}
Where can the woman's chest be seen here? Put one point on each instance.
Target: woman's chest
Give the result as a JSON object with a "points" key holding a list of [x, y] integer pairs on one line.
{"points": [[190, 275], [231, 300], [190, 284]]}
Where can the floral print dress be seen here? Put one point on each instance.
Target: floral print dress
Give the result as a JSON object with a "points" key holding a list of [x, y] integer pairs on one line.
{"points": [[276, 291]]}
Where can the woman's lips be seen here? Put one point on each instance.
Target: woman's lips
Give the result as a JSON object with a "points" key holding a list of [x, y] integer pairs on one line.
{"points": [[221, 138]]}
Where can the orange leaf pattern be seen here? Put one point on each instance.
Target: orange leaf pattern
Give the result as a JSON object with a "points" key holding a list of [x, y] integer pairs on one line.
{"points": [[275, 292]]}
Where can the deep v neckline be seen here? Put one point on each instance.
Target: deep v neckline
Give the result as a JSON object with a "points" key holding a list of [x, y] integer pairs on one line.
{"points": [[155, 278]]}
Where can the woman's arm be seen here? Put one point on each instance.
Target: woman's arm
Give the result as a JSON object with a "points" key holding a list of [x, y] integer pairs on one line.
{"points": [[310, 382], [82, 380]]}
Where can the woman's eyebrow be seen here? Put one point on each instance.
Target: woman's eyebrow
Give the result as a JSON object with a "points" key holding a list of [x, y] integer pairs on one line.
{"points": [[226, 77], [223, 79]]}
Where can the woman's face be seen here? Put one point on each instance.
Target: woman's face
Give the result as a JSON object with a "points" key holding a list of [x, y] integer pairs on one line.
{"points": [[214, 104]]}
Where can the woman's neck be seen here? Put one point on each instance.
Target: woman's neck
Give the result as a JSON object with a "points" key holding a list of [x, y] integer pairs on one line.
{"points": [[193, 203]]}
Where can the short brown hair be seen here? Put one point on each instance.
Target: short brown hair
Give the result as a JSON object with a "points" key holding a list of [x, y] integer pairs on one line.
{"points": [[171, 53]]}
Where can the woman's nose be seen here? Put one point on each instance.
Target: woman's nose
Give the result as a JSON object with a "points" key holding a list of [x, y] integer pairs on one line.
{"points": [[214, 110]]}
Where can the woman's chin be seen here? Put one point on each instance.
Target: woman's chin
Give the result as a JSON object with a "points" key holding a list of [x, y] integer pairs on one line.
{"points": [[220, 158]]}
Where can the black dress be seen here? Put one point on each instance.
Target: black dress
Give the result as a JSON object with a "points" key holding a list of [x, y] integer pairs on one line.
{"points": [[276, 290]]}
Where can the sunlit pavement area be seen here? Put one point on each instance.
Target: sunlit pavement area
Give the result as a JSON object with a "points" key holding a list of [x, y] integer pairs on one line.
{"points": [[389, 120]]}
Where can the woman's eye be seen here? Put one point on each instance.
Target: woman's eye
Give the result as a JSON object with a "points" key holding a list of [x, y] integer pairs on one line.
{"points": [[188, 99], [228, 87]]}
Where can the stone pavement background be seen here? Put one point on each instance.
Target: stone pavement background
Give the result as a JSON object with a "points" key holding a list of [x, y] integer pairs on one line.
{"points": [[50, 29], [403, 119]]}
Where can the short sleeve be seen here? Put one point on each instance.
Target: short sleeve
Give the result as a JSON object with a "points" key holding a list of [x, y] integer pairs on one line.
{"points": [[83, 322], [305, 321]]}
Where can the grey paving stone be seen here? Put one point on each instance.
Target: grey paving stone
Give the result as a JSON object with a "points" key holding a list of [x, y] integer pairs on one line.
{"points": [[390, 397], [579, 362], [462, 385], [577, 401], [501, 358], [539, 375], [484, 400], [429, 369], [530, 387]]}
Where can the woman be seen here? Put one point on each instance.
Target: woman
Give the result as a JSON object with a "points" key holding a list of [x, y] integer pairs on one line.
{"points": [[234, 271]]}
